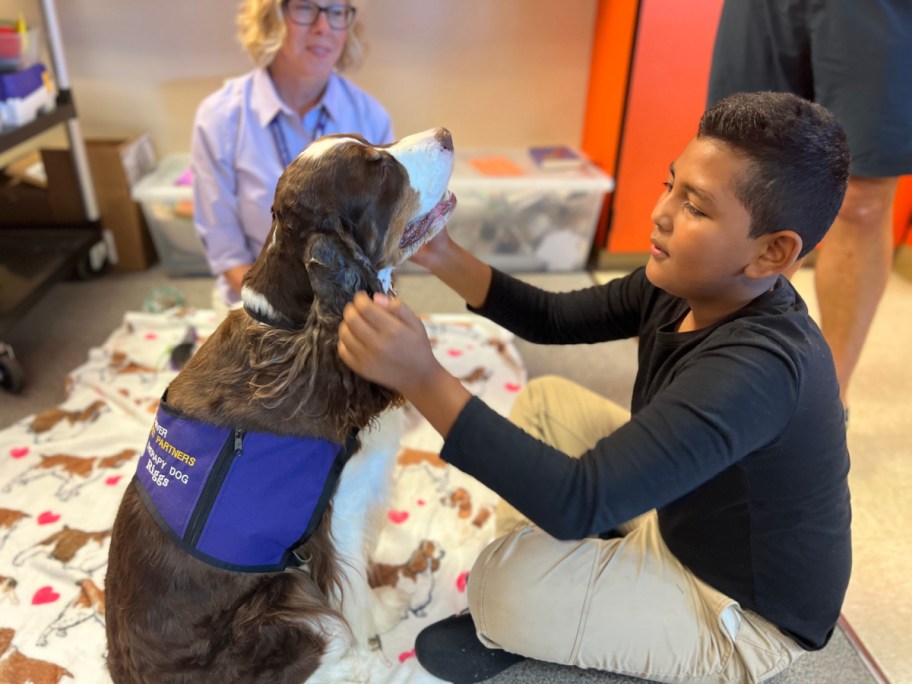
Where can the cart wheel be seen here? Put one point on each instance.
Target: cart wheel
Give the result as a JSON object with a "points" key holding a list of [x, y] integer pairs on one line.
{"points": [[92, 263], [11, 375], [84, 269]]}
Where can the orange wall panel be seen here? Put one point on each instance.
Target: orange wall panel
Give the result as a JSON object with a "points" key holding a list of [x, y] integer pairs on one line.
{"points": [[667, 95], [648, 83], [902, 212], [612, 50]]}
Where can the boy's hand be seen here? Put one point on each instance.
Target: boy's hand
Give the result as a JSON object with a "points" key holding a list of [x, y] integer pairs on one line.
{"points": [[434, 251], [383, 341]]}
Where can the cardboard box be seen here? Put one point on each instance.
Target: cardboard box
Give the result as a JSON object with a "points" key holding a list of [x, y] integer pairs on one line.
{"points": [[117, 165], [54, 202], [28, 169]]}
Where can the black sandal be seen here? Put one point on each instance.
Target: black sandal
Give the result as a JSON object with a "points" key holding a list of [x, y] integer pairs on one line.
{"points": [[451, 651]]}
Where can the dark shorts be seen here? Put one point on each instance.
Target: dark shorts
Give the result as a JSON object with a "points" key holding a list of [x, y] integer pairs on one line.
{"points": [[852, 56]]}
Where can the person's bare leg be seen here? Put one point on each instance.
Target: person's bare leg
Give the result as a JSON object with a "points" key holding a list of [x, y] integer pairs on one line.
{"points": [[852, 269]]}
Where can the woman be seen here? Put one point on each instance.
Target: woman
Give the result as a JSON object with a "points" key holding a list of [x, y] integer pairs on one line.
{"points": [[247, 132]]}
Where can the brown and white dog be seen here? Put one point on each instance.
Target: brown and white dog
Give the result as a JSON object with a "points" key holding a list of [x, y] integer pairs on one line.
{"points": [[414, 577], [345, 213]]}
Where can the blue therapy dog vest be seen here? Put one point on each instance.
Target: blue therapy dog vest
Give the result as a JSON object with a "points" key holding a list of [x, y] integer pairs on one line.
{"points": [[236, 500]]}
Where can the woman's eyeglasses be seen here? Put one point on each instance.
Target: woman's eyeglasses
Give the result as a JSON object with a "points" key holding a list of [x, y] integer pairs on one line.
{"points": [[339, 15]]}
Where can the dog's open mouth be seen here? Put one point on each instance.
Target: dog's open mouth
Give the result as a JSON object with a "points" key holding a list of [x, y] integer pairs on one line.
{"points": [[433, 220]]}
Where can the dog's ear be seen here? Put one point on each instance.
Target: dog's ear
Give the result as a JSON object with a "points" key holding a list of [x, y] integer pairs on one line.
{"points": [[337, 267], [309, 260], [417, 563]]}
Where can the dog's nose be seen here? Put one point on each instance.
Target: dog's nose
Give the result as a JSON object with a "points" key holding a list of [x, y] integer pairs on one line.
{"points": [[444, 138]]}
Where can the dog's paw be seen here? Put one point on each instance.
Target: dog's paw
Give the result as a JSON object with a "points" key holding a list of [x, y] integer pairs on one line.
{"points": [[390, 606], [355, 667]]}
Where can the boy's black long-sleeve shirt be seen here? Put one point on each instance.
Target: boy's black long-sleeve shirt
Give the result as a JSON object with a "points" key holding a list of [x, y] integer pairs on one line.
{"points": [[737, 438]]}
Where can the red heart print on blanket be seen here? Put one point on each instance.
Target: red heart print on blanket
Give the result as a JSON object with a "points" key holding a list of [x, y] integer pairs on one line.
{"points": [[19, 452], [45, 595], [405, 655], [113, 480], [48, 517], [397, 517]]}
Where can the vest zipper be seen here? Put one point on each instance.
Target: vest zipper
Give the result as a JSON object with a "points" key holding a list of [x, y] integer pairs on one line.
{"points": [[230, 451]]}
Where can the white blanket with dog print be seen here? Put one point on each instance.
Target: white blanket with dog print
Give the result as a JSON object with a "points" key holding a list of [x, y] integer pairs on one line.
{"points": [[63, 472]]}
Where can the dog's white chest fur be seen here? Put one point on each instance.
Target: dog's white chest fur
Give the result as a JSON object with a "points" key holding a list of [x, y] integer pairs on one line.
{"points": [[362, 495], [364, 487]]}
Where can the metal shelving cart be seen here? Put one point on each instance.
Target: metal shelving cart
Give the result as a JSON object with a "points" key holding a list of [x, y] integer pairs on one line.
{"points": [[33, 258]]}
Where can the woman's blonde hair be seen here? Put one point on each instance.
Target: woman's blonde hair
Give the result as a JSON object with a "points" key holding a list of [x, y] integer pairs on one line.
{"points": [[261, 30]]}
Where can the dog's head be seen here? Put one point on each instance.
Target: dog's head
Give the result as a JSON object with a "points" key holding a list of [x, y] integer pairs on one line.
{"points": [[345, 214]]}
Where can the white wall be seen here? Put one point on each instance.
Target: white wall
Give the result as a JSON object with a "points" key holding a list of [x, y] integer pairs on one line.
{"points": [[496, 72]]}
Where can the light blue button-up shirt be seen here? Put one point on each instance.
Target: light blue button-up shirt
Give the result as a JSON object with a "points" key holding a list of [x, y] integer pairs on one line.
{"points": [[236, 161]]}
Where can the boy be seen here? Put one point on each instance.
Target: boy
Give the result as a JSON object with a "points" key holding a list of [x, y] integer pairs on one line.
{"points": [[705, 537]]}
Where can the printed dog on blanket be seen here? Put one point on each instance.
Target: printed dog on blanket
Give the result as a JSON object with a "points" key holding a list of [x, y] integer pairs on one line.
{"points": [[74, 472], [8, 590], [9, 520], [199, 594], [58, 423], [461, 499], [121, 364], [87, 605], [74, 549], [16, 668], [415, 576]]}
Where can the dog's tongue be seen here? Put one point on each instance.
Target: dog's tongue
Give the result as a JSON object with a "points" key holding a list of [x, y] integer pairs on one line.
{"points": [[415, 230]]}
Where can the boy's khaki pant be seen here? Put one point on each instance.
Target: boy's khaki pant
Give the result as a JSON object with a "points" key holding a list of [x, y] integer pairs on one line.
{"points": [[623, 605]]}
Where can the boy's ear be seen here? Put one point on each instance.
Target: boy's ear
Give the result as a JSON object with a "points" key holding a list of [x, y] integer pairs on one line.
{"points": [[777, 253]]}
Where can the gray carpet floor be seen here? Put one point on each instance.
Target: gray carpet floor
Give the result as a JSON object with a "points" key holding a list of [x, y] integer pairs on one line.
{"points": [[56, 335]]}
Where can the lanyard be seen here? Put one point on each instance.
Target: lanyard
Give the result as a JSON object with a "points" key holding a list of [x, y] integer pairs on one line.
{"points": [[278, 135]]}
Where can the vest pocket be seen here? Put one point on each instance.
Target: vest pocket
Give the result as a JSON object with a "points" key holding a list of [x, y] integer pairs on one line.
{"points": [[231, 450]]}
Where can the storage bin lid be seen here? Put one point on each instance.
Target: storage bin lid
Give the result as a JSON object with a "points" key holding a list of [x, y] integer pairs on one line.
{"points": [[585, 177], [161, 184]]}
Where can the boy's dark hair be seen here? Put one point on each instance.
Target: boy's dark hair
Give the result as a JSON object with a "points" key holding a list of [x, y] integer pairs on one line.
{"points": [[799, 161]]}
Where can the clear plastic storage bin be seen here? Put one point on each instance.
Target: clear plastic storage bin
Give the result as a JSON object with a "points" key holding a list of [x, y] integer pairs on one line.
{"points": [[531, 220], [168, 207], [18, 50]]}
